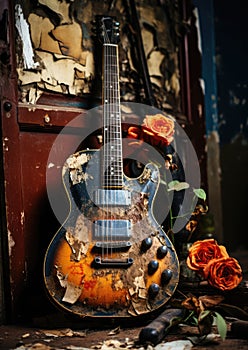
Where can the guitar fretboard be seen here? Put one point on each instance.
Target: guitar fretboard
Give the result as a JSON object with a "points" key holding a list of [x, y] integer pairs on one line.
{"points": [[112, 168]]}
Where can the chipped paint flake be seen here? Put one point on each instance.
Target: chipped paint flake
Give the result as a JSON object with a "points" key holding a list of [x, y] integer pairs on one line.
{"points": [[74, 163], [76, 160], [72, 292], [11, 242], [64, 65], [77, 246], [22, 218], [50, 165], [119, 285], [23, 30], [5, 144], [139, 283], [59, 7]]}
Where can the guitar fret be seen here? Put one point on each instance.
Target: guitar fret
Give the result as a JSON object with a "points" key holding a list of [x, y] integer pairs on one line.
{"points": [[112, 158]]}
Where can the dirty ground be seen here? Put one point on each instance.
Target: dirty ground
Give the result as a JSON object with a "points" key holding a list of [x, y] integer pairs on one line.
{"points": [[21, 338], [51, 332]]}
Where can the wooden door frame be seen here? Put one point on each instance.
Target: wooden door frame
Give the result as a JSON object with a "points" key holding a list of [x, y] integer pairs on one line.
{"points": [[11, 201]]}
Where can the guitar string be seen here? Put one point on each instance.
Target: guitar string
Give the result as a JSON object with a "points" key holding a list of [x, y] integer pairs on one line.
{"points": [[112, 130], [106, 228]]}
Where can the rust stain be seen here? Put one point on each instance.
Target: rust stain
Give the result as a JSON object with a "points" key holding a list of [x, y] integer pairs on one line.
{"points": [[89, 284], [76, 269]]}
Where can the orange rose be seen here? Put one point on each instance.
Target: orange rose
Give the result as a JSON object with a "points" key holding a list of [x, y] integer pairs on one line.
{"points": [[201, 252], [160, 127], [224, 273]]}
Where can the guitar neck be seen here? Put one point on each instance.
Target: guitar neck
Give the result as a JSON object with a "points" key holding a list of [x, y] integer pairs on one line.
{"points": [[112, 154]]}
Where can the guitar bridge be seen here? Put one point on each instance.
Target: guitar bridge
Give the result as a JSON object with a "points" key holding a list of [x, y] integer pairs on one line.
{"points": [[120, 245], [113, 263]]}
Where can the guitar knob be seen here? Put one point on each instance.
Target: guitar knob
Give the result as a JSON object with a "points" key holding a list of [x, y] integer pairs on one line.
{"points": [[153, 290], [146, 244], [166, 276], [162, 251], [152, 267]]}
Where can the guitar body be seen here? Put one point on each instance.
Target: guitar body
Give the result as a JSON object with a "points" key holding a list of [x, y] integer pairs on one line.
{"points": [[91, 272], [110, 258]]}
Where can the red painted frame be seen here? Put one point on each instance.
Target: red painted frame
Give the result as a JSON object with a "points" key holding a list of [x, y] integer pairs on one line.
{"points": [[27, 137]]}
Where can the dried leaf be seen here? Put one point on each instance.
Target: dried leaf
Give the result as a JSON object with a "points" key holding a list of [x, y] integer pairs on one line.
{"points": [[26, 335], [174, 345], [67, 332], [210, 301], [114, 331], [204, 340], [191, 303], [191, 225]]}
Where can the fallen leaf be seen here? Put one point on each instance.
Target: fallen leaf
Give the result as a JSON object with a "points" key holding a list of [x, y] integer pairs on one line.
{"points": [[114, 331], [26, 335], [175, 345]]}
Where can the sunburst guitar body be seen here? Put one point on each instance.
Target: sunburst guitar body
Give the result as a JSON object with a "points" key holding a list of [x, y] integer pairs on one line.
{"points": [[110, 258]]}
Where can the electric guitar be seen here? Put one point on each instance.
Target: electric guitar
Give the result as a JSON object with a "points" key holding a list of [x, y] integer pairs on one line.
{"points": [[110, 258]]}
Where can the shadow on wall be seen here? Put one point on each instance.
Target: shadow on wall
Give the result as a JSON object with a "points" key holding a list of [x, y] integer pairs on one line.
{"points": [[231, 64]]}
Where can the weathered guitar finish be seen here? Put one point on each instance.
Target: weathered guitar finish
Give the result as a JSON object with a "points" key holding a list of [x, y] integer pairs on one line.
{"points": [[110, 258]]}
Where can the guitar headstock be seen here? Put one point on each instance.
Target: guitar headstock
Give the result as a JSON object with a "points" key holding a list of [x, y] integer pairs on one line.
{"points": [[107, 29]]}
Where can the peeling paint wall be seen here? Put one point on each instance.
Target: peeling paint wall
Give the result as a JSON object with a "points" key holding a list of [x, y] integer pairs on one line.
{"points": [[54, 56], [56, 49]]}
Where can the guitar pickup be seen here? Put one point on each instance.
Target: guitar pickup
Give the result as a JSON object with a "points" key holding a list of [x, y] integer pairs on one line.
{"points": [[111, 230], [112, 198]]}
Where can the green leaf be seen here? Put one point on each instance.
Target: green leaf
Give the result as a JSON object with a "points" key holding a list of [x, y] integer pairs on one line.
{"points": [[200, 193], [203, 314], [221, 325], [177, 186], [205, 321], [173, 183]]}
